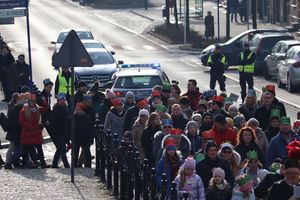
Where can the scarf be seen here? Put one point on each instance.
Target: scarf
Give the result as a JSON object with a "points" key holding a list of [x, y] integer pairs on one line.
{"points": [[174, 162]]}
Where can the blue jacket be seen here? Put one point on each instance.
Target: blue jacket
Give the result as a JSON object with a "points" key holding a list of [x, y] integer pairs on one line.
{"points": [[277, 148]]}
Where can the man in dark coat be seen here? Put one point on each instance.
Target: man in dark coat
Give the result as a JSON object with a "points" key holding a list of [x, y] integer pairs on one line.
{"points": [[178, 119], [211, 160], [209, 26], [19, 73], [106, 105], [271, 88], [233, 7], [6, 60], [284, 189], [82, 89]]}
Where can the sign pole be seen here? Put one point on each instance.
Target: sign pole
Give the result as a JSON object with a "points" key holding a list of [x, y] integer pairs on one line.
{"points": [[218, 13], [29, 43], [72, 124]]}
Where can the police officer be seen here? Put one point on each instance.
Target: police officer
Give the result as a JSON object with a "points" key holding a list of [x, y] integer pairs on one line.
{"points": [[246, 61], [216, 61]]}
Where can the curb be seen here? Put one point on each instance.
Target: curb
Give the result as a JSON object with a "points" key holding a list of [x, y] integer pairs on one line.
{"points": [[141, 15], [5, 145]]}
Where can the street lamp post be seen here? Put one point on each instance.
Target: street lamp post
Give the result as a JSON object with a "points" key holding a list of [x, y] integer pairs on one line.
{"points": [[218, 13], [184, 23]]}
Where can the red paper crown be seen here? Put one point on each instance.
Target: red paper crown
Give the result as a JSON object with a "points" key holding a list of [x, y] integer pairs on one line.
{"points": [[296, 124], [208, 135], [116, 102], [170, 142], [270, 88], [142, 103], [156, 93], [176, 131], [219, 99]]}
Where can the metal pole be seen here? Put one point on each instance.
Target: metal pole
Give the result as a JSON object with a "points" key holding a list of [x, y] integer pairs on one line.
{"points": [[72, 124], [184, 24], [146, 5], [29, 43], [218, 13], [248, 5]]}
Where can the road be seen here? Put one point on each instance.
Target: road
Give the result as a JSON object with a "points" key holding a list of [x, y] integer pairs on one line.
{"points": [[120, 30]]}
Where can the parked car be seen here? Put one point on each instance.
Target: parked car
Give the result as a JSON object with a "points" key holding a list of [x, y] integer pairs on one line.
{"points": [[262, 45], [234, 46], [289, 70], [277, 54]]}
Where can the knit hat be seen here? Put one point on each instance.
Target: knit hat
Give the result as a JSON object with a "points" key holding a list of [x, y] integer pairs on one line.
{"points": [[189, 163], [156, 94], [237, 120], [79, 106], [116, 102], [192, 124], [81, 84], [206, 114], [130, 94], [61, 96], [141, 103], [218, 99], [32, 97], [253, 121], [210, 145], [220, 119], [218, 171], [144, 112], [87, 97], [244, 182], [167, 122], [170, 144], [196, 115], [206, 135], [294, 150]]}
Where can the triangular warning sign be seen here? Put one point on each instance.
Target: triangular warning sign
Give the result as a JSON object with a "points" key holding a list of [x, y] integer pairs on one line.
{"points": [[72, 53]]}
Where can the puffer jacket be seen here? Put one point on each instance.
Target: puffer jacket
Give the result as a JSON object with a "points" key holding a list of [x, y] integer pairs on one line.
{"points": [[237, 158], [238, 195], [137, 132], [193, 185], [214, 193], [114, 121], [185, 145], [262, 140]]}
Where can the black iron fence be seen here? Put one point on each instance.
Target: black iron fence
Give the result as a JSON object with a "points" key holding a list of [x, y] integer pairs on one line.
{"points": [[118, 167]]}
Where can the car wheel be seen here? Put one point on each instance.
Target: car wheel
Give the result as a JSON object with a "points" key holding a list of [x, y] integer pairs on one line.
{"points": [[279, 83], [266, 72], [289, 85]]}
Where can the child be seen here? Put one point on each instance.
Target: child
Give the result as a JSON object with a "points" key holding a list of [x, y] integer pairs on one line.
{"points": [[219, 188], [244, 189], [188, 181]]}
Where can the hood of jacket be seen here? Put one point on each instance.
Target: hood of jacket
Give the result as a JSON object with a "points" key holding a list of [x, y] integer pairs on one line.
{"points": [[236, 155]]}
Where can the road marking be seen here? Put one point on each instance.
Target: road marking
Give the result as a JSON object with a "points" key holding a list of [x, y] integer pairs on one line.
{"points": [[149, 48], [128, 47]]}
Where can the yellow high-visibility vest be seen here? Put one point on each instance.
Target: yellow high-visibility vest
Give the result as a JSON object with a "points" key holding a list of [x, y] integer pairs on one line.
{"points": [[247, 68], [209, 60], [64, 86]]}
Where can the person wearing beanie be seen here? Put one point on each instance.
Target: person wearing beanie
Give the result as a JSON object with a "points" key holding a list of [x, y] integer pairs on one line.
{"points": [[115, 118], [185, 106], [192, 133], [165, 93], [206, 123], [188, 181], [178, 118], [233, 111], [204, 167], [271, 88], [193, 94], [80, 92], [219, 188], [97, 96], [239, 122], [284, 189], [129, 100], [197, 118], [169, 164], [222, 132], [228, 153], [137, 132], [155, 100], [217, 105], [244, 188]]}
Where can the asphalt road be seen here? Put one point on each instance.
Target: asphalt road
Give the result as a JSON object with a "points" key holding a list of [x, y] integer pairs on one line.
{"points": [[117, 29]]}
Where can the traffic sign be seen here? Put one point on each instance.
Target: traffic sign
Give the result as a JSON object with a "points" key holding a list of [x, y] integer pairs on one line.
{"points": [[7, 13], [5, 4]]}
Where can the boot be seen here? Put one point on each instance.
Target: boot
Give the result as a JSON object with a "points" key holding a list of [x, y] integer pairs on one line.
{"points": [[2, 163]]}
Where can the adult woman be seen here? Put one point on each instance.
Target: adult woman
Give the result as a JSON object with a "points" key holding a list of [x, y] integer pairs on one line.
{"points": [[174, 95], [228, 153], [246, 140], [249, 105], [154, 125], [137, 131], [192, 134], [197, 118], [239, 122]]}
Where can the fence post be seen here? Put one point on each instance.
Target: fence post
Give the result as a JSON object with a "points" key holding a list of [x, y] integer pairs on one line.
{"points": [[173, 191], [102, 155], [108, 160], [185, 196], [97, 143], [137, 177], [123, 170], [115, 167], [130, 160], [163, 186], [145, 169], [153, 184]]}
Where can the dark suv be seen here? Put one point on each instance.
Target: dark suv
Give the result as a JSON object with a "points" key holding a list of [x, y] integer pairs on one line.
{"points": [[262, 45]]}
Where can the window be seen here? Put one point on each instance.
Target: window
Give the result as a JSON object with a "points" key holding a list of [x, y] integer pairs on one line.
{"points": [[136, 82], [289, 53], [83, 35], [101, 58], [276, 48]]}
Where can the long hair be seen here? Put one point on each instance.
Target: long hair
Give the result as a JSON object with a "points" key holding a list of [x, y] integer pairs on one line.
{"points": [[240, 139], [182, 178], [151, 119]]}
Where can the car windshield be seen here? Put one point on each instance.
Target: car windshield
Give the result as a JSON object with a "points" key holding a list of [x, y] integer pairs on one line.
{"points": [[271, 41], [100, 58], [83, 35], [136, 82], [93, 45]]}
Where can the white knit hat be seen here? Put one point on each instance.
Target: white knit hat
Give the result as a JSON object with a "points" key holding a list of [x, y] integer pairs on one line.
{"points": [[144, 112]]}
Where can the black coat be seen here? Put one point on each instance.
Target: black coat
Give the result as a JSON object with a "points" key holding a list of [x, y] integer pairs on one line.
{"points": [[19, 73], [179, 122], [59, 122], [147, 142], [45, 97], [262, 114], [271, 132], [243, 150], [261, 191], [280, 105], [209, 26], [216, 66], [78, 97], [5, 63], [14, 130], [130, 117], [103, 110], [213, 193], [83, 129], [246, 111], [281, 190], [205, 166]]}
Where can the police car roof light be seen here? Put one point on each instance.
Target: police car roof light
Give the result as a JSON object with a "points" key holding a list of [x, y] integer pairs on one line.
{"points": [[151, 65]]}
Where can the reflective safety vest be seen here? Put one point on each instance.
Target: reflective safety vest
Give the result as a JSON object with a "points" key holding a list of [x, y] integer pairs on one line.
{"points": [[64, 87], [249, 68], [209, 60]]}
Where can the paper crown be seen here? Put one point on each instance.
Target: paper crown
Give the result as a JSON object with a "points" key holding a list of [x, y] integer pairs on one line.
{"points": [[161, 108], [166, 87], [228, 100], [270, 88], [208, 135], [218, 99], [176, 131], [294, 150], [202, 102], [275, 167], [285, 120], [252, 155], [275, 113], [243, 179], [296, 124], [142, 103], [155, 93], [116, 102]]}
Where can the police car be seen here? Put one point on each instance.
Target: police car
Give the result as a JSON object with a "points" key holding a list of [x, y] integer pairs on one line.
{"points": [[138, 78]]}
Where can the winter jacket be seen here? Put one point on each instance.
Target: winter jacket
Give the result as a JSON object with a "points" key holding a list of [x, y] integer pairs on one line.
{"points": [[262, 140], [281, 190], [158, 137], [194, 97], [128, 105], [179, 121], [59, 122], [19, 73], [103, 110], [91, 112], [243, 149], [83, 129], [147, 142], [262, 114], [137, 132], [31, 129], [185, 146], [236, 166], [130, 117], [78, 97], [247, 111], [44, 99], [238, 195], [188, 112], [271, 132], [261, 191], [194, 186], [15, 128], [277, 148], [280, 105], [5, 63], [214, 193], [216, 66], [114, 121], [227, 135], [196, 143], [205, 166]]}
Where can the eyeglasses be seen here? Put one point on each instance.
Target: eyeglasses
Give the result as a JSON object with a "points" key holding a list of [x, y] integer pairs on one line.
{"points": [[227, 151], [167, 127]]}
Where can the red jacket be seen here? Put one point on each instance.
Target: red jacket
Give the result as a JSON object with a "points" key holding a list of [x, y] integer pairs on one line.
{"points": [[31, 130], [194, 97], [228, 135]]}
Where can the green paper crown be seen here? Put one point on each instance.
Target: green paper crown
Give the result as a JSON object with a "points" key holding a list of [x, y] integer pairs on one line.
{"points": [[161, 108], [252, 155], [244, 180], [166, 86], [285, 120], [227, 100], [275, 113], [275, 167]]}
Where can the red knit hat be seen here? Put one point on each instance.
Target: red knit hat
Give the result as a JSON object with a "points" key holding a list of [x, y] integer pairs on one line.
{"points": [[218, 99], [116, 102], [170, 143], [32, 97], [294, 150], [208, 135], [79, 106]]}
